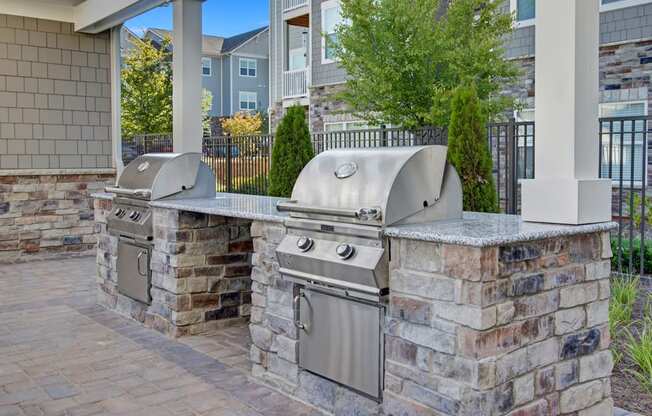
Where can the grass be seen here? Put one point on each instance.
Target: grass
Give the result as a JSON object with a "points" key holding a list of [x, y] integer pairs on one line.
{"points": [[621, 310], [639, 349]]}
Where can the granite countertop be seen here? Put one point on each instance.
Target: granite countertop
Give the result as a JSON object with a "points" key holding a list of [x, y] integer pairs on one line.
{"points": [[252, 207], [484, 230], [103, 195]]}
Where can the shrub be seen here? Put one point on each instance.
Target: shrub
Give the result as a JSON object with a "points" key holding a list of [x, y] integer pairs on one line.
{"points": [[468, 151], [243, 123], [292, 150], [632, 251], [256, 185]]}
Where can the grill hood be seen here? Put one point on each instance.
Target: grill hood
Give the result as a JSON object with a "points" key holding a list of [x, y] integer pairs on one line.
{"points": [[379, 186], [160, 175]]}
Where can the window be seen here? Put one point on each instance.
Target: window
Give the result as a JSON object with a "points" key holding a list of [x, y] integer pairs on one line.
{"points": [[248, 101], [606, 5], [330, 18], [524, 10], [622, 141], [248, 67], [206, 69]]}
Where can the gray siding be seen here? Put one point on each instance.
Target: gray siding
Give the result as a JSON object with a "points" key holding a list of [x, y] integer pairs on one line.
{"points": [[322, 74], [55, 109], [258, 84], [226, 81], [621, 25], [276, 50], [212, 84]]}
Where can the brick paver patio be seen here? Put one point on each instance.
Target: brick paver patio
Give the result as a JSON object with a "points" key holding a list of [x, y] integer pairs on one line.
{"points": [[62, 355]]}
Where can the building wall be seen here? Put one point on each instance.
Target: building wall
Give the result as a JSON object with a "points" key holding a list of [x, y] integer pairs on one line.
{"points": [[55, 110], [258, 49], [322, 74], [212, 84], [621, 25], [226, 84]]}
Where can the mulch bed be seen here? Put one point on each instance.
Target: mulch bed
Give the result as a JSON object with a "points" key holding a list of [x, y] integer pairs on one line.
{"points": [[626, 389]]}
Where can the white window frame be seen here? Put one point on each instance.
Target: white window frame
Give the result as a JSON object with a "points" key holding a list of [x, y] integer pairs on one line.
{"points": [[523, 23], [621, 4], [247, 62], [616, 182], [210, 67], [330, 4], [250, 95]]}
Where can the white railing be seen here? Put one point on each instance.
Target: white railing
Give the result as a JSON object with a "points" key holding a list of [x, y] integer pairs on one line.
{"points": [[295, 83], [293, 4]]}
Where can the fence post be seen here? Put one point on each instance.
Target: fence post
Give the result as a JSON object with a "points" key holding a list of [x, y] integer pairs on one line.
{"points": [[511, 182], [383, 135], [229, 168]]}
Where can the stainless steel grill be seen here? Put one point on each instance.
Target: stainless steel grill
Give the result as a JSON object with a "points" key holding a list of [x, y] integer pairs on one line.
{"points": [[336, 254], [147, 178]]}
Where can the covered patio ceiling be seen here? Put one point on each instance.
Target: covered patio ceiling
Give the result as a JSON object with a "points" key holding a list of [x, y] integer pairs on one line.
{"points": [[89, 16]]}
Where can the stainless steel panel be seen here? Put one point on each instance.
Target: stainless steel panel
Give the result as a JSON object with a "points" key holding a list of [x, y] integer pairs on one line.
{"points": [[368, 266], [134, 277], [341, 340], [398, 181], [141, 227]]}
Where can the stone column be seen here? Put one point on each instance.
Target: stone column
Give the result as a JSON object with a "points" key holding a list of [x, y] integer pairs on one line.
{"points": [[519, 329], [566, 189], [186, 83]]}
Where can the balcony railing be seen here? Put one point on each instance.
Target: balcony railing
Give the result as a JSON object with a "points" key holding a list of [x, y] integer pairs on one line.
{"points": [[293, 4], [295, 83]]}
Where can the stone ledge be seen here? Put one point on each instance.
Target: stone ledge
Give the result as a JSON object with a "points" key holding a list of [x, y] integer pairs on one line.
{"points": [[46, 172]]}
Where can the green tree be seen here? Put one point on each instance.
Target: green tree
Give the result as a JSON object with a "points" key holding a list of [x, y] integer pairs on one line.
{"points": [[292, 150], [405, 57], [146, 82], [468, 150], [147, 89]]}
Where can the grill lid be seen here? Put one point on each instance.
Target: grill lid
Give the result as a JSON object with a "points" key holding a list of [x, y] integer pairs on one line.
{"points": [[378, 186], [158, 175]]}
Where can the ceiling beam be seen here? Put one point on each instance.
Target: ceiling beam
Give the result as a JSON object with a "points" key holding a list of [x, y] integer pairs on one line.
{"points": [[39, 10], [94, 16]]}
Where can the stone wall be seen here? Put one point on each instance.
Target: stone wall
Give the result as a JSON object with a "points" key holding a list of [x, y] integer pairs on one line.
{"points": [[201, 270], [324, 106], [55, 110], [511, 330], [47, 215], [274, 350]]}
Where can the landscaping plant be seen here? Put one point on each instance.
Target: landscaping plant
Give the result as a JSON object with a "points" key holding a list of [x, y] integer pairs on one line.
{"points": [[639, 349], [468, 151], [291, 151], [621, 309], [633, 251], [405, 58]]}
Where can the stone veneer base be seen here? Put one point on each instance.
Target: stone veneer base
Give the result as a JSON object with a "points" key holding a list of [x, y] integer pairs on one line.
{"points": [[201, 270], [48, 215], [517, 329]]}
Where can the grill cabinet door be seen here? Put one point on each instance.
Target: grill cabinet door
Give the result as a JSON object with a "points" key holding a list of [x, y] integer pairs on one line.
{"points": [[133, 271], [341, 340]]}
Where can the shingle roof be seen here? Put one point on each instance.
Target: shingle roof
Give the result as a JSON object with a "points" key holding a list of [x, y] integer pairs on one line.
{"points": [[214, 45]]}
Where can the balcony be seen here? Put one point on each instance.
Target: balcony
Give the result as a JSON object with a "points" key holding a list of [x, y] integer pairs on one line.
{"points": [[293, 4], [295, 83]]}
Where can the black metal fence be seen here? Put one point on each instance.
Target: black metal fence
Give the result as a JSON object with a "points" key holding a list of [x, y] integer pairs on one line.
{"points": [[242, 165]]}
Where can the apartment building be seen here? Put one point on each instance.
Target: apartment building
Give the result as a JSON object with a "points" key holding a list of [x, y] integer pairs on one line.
{"points": [[303, 71], [234, 69]]}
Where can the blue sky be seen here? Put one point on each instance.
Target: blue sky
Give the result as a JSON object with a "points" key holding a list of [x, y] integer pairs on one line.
{"points": [[220, 17]]}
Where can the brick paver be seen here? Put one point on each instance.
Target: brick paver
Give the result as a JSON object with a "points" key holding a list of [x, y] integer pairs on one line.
{"points": [[60, 354]]}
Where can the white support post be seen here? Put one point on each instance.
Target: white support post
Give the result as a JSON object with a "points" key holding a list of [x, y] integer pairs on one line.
{"points": [[566, 188], [116, 129], [186, 80]]}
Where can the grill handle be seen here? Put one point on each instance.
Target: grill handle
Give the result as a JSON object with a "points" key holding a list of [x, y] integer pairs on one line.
{"points": [[140, 255], [138, 193], [295, 307], [292, 206]]}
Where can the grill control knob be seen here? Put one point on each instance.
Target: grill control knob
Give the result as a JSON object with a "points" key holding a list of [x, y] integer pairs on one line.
{"points": [[345, 251], [304, 243], [135, 215], [120, 212]]}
